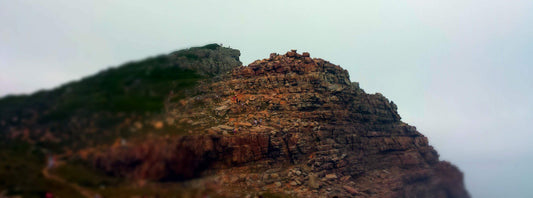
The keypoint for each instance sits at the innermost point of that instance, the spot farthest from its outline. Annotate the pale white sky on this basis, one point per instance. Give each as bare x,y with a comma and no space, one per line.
459,70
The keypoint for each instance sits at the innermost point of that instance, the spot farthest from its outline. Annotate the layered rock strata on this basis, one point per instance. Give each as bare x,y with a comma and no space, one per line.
289,124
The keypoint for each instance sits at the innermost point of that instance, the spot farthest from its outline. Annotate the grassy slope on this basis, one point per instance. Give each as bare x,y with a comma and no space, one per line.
136,88
133,87
20,172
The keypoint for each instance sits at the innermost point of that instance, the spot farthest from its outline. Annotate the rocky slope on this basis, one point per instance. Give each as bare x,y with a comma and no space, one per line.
291,125
195,122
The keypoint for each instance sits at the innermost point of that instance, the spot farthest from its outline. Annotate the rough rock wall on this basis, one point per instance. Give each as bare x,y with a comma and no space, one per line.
211,59
294,125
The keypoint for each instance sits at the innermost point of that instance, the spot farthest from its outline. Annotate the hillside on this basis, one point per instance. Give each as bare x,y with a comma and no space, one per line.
196,122
95,110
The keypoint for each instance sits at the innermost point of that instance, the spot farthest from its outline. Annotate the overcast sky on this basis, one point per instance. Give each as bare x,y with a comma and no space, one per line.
459,70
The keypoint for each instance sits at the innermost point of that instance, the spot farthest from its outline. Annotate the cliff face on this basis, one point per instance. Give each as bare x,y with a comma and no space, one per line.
289,124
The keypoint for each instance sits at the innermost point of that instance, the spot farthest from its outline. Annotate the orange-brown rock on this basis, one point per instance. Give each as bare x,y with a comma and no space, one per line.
294,125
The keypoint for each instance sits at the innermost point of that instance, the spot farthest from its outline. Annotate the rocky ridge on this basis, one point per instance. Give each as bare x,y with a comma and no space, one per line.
289,124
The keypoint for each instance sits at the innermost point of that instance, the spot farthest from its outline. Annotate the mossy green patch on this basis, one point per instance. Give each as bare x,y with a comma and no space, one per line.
85,175
93,111
20,172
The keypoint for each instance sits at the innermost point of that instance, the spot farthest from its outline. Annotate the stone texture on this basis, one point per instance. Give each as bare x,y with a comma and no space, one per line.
284,120
208,60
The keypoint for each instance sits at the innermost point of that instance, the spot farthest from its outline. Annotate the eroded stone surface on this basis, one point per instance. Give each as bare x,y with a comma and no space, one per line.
294,125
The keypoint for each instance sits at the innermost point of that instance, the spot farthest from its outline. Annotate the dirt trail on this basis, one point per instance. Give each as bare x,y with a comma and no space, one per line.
83,191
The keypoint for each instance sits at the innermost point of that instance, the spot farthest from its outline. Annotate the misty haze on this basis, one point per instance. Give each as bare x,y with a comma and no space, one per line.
266,99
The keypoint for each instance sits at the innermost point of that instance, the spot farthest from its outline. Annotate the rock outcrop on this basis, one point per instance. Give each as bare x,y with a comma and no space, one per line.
211,59
289,124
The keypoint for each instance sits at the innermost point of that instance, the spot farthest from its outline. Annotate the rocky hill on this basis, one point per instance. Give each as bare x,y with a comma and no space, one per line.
286,126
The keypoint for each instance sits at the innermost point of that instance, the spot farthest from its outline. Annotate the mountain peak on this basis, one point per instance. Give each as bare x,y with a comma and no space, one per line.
212,59
289,124
292,125
295,64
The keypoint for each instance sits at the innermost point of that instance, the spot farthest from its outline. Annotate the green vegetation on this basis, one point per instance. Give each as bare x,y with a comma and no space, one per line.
211,46
20,172
138,87
84,175
135,87
88,112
